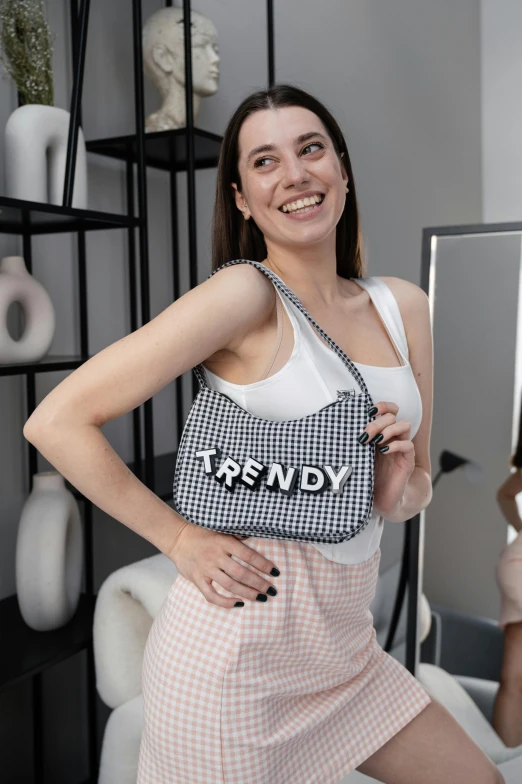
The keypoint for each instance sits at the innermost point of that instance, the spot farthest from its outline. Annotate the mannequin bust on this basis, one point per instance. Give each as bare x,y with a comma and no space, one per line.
164,64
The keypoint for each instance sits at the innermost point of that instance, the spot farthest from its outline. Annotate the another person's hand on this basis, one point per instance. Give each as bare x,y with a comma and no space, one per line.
203,556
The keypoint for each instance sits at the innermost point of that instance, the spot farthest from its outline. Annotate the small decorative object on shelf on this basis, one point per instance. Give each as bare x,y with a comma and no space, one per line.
36,133
49,554
164,64
18,285
35,156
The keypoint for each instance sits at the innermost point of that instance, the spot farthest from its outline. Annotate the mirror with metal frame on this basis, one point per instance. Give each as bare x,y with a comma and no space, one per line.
473,278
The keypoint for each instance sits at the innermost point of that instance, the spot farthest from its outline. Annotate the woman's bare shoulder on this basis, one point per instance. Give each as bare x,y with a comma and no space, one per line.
212,316
405,290
512,486
246,293
413,302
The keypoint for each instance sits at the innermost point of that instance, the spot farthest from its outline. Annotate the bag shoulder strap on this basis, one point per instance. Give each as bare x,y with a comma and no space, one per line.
199,370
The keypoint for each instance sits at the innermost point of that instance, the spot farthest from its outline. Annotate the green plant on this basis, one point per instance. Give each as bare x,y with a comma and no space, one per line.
26,49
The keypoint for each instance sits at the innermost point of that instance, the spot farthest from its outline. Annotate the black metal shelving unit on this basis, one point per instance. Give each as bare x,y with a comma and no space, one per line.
29,653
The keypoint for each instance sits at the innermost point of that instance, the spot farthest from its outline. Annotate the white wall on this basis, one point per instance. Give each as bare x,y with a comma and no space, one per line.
501,23
403,80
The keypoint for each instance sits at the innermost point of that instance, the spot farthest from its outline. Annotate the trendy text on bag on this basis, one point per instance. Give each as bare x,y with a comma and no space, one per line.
282,479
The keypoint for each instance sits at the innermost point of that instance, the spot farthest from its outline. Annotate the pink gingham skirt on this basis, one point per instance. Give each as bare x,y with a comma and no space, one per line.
295,689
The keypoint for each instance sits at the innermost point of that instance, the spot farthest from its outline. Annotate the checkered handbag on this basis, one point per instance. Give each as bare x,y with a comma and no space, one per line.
307,479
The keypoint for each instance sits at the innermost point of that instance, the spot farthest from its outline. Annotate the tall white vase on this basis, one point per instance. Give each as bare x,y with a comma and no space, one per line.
18,285
35,156
49,554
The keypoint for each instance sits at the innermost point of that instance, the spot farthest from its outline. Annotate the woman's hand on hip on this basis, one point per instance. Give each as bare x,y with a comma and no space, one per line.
203,556
394,465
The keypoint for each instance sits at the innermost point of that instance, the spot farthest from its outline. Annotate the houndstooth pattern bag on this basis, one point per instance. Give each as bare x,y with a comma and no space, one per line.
307,479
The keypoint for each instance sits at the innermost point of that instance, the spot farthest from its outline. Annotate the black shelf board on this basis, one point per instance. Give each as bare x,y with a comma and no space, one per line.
18,216
163,476
47,364
165,150
27,652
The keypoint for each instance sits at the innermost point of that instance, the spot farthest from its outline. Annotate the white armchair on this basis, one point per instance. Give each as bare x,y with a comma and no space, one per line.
127,603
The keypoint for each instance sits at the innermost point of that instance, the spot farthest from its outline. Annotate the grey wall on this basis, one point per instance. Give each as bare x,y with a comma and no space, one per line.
501,109
403,80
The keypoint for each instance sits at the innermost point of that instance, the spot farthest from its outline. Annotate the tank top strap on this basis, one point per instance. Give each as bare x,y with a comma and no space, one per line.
385,302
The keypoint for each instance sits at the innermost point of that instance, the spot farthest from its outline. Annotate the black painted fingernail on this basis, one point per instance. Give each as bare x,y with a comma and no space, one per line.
373,411
383,448
275,572
363,438
239,604
261,597
377,439
271,591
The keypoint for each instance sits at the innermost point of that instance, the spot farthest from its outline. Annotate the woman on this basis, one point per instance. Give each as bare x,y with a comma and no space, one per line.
507,709
292,686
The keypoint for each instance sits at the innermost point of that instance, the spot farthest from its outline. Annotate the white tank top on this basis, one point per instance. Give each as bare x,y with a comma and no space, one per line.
310,379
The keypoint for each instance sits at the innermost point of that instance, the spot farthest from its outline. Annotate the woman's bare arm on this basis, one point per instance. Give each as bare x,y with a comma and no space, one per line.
506,498
66,426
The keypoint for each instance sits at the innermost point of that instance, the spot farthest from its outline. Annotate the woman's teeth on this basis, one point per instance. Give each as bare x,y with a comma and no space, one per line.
303,205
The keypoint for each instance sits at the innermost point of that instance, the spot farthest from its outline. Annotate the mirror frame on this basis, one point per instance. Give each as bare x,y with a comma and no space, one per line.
413,550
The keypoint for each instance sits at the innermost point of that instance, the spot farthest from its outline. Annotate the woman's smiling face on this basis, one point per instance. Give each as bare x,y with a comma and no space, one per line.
283,154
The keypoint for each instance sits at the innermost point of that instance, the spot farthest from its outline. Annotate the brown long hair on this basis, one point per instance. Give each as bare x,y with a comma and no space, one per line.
516,459
233,237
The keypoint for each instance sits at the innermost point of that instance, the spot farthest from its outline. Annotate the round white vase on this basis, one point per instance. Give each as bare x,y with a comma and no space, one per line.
36,153
49,554
18,285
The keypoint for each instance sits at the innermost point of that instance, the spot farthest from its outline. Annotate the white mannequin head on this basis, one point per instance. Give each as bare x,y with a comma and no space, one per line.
164,64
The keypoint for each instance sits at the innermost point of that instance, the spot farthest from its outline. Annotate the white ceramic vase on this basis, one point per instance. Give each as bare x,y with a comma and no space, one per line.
49,554
35,156
18,285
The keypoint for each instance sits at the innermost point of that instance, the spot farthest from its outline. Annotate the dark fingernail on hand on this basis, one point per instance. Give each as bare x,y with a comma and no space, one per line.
275,572
272,591
373,411
239,604
261,597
